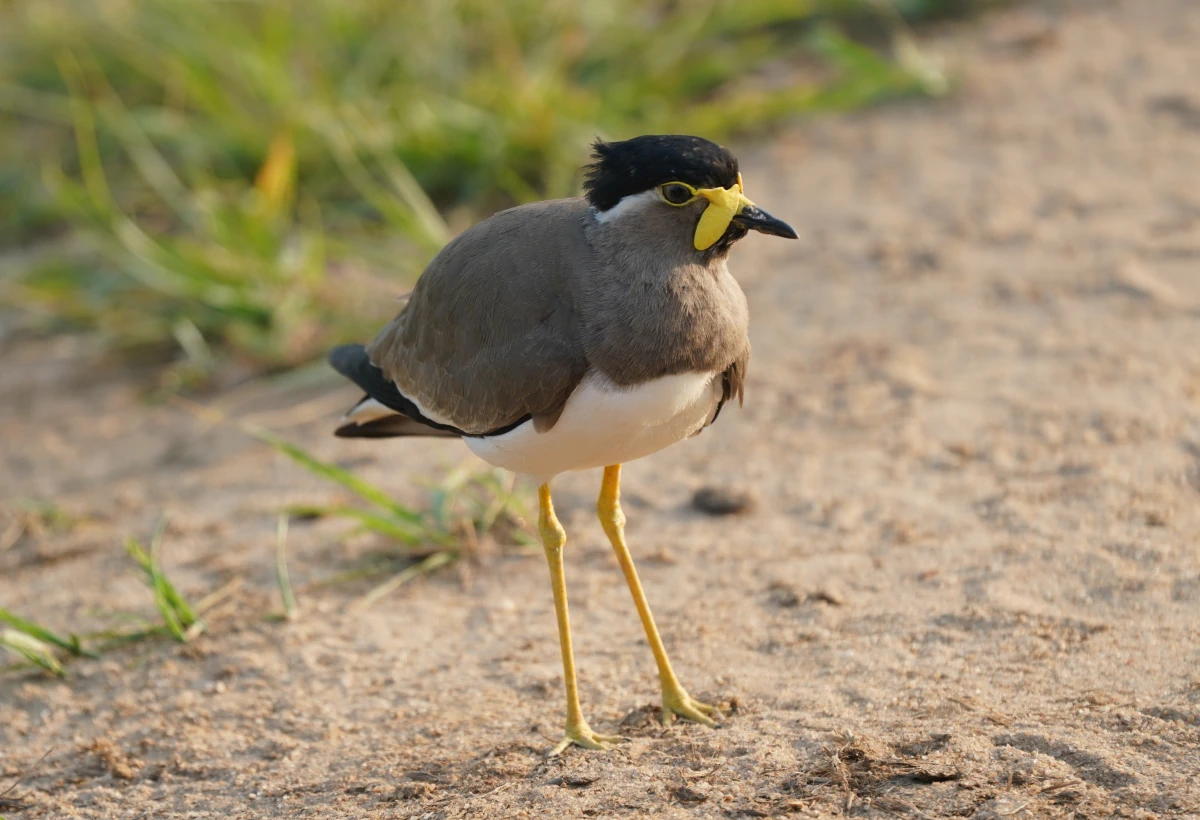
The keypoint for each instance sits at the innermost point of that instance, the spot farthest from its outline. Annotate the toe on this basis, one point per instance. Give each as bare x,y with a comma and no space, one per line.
692,712
585,738
611,739
685,706
596,743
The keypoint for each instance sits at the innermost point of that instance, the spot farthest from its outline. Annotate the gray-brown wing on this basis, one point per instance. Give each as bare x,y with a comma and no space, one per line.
490,333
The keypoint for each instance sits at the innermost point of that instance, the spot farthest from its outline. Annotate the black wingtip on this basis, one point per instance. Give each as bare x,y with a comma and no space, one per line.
397,426
367,430
348,359
353,362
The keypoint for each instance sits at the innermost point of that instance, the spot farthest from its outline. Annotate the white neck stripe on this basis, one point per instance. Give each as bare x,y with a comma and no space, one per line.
632,202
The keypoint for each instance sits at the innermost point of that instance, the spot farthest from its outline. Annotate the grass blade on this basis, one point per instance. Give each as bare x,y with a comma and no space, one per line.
44,635
375,522
179,619
360,487
145,560
281,571
391,518
187,616
32,650
435,561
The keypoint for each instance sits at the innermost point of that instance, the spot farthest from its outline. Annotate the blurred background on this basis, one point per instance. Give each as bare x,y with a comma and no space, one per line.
252,181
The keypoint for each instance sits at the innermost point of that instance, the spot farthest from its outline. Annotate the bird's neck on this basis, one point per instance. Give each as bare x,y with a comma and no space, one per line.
653,310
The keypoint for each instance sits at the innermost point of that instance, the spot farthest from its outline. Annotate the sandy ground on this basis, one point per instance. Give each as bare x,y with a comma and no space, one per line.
971,586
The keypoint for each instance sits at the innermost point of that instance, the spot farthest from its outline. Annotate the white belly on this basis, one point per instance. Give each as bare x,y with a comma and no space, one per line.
604,424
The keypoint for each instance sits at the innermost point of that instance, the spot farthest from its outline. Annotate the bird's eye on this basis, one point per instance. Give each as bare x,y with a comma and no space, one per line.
677,194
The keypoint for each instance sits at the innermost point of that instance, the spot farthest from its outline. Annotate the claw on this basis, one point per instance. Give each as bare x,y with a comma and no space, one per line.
583,736
678,703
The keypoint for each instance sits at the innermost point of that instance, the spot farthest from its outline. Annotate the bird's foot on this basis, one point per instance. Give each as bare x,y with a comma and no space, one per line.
678,703
581,735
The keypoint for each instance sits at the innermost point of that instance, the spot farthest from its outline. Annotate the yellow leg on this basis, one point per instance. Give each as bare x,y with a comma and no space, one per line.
553,539
675,699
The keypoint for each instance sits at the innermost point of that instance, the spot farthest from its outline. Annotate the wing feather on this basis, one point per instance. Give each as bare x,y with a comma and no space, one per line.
490,334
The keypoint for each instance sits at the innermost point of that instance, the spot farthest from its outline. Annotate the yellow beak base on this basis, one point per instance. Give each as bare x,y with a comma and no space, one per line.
723,205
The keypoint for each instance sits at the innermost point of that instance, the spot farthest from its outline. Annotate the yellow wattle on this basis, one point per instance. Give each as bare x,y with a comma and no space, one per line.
723,205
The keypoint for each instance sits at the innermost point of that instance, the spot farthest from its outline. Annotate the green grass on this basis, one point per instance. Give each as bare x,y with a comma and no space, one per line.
257,179
44,636
465,505
35,652
39,646
282,577
179,617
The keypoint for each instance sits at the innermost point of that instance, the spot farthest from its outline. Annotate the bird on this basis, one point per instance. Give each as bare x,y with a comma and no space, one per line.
575,334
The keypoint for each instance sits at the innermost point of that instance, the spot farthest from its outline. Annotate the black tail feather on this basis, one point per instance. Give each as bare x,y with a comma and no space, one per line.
390,427
353,362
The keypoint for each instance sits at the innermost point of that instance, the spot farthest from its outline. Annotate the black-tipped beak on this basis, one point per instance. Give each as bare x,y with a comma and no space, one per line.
759,220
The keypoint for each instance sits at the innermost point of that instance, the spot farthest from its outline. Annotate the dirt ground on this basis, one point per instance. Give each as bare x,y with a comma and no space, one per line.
970,587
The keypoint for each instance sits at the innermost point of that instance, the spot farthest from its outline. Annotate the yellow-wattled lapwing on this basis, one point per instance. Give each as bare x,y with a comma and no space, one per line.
578,333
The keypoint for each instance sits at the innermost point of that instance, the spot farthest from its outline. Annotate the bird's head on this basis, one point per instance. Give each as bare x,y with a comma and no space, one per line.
677,183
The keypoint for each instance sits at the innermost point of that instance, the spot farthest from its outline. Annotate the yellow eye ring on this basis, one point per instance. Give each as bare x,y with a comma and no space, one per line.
671,191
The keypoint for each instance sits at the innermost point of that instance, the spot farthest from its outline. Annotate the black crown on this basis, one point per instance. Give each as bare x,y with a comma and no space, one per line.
619,169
